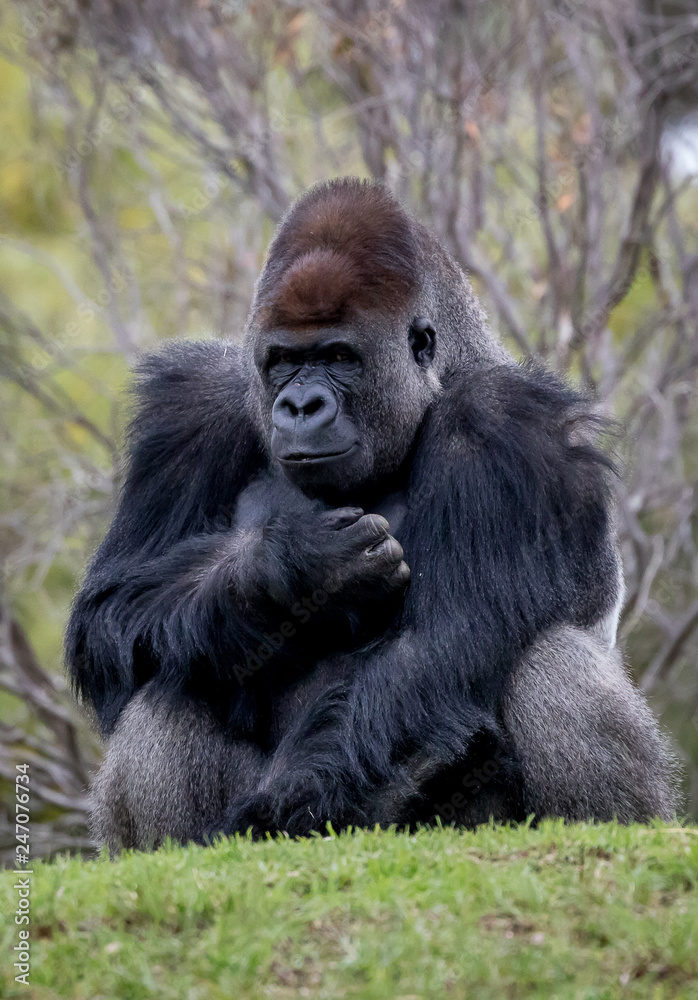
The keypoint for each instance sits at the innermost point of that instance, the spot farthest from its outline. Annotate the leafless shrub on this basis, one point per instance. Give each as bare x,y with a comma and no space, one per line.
533,137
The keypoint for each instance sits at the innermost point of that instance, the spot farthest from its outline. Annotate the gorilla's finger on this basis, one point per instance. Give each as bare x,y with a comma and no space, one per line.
343,517
401,576
370,529
387,552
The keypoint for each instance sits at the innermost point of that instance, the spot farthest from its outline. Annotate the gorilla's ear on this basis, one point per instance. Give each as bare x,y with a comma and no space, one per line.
422,338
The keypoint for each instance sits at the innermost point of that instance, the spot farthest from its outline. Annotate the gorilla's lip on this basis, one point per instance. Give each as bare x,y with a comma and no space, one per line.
310,458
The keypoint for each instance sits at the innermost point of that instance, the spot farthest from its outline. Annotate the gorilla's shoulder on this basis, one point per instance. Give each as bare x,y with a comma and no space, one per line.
192,423
519,417
507,396
189,386
183,367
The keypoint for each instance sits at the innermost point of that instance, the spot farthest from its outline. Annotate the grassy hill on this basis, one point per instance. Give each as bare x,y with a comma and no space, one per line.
559,912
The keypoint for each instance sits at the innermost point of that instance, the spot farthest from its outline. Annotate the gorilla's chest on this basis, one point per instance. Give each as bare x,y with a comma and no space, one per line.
393,508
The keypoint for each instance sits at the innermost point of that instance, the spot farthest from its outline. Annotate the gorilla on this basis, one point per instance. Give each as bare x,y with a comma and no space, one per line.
363,569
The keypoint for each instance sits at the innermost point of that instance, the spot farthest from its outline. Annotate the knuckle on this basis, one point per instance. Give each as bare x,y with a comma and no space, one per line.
396,552
389,550
375,525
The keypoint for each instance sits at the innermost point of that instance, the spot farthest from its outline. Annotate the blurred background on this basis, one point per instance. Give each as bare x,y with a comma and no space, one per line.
149,147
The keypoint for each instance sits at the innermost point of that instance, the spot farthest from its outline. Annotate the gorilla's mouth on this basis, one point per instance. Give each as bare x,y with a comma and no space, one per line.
310,458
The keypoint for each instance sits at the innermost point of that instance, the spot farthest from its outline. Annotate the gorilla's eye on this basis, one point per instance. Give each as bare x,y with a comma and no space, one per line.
341,355
284,359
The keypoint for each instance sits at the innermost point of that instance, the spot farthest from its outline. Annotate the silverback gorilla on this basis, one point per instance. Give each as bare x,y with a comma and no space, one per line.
363,569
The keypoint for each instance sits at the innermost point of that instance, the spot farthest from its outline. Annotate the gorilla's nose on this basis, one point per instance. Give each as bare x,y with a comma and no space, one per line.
305,408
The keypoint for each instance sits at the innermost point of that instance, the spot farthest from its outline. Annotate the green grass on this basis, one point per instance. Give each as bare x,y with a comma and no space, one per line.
558,912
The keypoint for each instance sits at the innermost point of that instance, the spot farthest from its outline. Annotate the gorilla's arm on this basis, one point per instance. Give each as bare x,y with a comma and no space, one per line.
185,617
156,593
199,567
508,534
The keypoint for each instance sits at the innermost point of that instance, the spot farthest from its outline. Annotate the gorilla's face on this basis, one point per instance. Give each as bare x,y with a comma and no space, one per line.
344,407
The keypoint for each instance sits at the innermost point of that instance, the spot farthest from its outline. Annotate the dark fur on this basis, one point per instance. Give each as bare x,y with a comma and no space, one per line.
373,710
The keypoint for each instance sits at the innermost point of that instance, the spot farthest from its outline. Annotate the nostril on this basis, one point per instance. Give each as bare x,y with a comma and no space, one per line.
306,405
313,405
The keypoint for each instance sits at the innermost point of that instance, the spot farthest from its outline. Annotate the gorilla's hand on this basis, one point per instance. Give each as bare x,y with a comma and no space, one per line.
301,547
306,809
359,555
255,813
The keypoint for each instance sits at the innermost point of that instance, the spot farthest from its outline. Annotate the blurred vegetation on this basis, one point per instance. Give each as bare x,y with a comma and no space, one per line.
150,146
